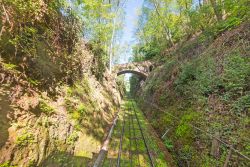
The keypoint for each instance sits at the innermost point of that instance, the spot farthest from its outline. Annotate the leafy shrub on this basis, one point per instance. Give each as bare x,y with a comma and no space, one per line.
25,139
80,88
32,163
79,112
6,164
241,104
163,99
184,130
209,161
188,75
228,24
72,138
197,79
167,119
186,152
9,66
168,143
247,149
237,69
81,109
33,82
45,107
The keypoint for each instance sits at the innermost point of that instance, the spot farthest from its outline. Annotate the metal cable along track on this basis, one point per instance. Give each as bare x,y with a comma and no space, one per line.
121,139
103,152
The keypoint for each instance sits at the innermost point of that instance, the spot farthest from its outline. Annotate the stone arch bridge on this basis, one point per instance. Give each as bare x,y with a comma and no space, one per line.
142,69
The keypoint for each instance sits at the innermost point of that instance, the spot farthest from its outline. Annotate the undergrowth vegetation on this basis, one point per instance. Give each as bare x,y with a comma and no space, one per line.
29,38
7,164
24,139
209,91
44,40
46,108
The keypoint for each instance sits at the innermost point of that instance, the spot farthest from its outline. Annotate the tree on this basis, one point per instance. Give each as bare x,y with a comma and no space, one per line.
164,23
102,25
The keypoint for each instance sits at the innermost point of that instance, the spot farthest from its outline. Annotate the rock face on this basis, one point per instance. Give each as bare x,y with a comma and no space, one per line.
39,130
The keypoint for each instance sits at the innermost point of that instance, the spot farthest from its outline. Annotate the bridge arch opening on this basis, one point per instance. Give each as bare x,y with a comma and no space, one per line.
139,74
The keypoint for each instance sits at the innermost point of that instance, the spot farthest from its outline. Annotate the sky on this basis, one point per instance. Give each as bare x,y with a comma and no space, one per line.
131,17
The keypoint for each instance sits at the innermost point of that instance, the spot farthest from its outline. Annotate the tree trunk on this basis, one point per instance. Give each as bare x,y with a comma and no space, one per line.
217,10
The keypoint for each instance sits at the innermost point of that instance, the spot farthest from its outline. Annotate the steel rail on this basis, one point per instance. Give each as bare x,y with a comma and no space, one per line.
147,138
130,144
136,144
151,140
144,140
121,139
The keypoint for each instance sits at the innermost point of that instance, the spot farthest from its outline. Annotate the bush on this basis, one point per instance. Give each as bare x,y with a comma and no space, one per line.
79,112
184,130
168,143
46,108
25,139
237,69
241,104
72,138
186,152
6,164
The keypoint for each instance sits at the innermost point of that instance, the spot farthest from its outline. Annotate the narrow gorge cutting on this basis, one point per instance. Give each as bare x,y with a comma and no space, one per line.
118,83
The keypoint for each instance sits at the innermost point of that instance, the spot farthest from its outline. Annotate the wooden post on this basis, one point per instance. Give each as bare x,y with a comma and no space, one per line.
215,150
228,157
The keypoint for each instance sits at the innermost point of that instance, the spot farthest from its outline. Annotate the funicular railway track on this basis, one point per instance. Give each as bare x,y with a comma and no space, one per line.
143,138
132,143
